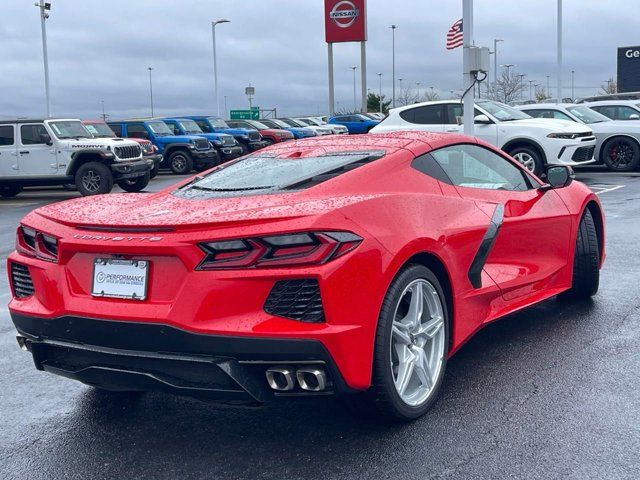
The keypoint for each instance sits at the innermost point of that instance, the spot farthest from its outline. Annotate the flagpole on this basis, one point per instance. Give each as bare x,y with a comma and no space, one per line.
467,79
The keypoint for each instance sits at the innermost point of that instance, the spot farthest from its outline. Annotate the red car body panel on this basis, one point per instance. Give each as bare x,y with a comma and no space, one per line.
276,135
399,212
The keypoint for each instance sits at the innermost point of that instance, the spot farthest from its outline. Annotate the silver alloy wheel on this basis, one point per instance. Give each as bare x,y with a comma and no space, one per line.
179,162
527,160
91,181
417,342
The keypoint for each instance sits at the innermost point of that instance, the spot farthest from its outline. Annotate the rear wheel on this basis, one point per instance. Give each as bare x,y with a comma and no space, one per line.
530,158
94,178
9,191
621,154
411,348
586,261
245,149
180,162
134,184
268,142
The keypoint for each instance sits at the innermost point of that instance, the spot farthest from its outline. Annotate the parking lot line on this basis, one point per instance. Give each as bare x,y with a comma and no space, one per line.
610,189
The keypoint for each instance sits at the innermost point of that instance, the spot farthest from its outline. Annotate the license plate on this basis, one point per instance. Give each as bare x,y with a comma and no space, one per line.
120,278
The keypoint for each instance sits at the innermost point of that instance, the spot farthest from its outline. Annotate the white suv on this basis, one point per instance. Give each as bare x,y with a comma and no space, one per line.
61,152
533,142
617,109
314,122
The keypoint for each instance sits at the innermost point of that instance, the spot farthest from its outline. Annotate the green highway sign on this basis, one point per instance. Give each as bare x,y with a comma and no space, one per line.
253,114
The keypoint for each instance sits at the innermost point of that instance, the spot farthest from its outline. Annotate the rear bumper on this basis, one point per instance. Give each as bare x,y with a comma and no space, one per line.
120,355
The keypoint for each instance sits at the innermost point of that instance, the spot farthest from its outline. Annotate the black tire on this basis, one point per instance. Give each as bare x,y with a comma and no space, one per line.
154,171
245,149
621,154
94,178
382,399
268,142
135,184
180,162
10,191
586,261
536,163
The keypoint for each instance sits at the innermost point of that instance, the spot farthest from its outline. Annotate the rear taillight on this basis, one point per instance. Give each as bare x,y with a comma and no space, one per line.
296,249
36,244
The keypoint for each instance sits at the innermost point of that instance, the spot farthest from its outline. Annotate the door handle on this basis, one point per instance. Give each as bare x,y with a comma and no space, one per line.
24,152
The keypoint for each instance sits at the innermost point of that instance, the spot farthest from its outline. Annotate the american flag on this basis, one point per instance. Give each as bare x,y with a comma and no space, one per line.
454,35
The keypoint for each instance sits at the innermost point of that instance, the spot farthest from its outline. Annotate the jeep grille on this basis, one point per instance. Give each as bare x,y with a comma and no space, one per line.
132,151
202,144
254,136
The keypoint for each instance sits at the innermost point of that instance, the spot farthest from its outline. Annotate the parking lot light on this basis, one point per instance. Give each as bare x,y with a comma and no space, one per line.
380,92
215,62
355,102
393,64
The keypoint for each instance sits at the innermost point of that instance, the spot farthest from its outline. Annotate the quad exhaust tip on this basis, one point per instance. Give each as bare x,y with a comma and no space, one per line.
22,342
283,379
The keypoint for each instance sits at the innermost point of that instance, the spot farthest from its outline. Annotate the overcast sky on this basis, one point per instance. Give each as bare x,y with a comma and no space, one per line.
100,50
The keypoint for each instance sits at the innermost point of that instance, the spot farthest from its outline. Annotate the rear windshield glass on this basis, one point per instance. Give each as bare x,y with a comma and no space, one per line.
267,173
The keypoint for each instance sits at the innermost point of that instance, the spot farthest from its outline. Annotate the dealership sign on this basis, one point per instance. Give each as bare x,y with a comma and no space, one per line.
345,21
629,69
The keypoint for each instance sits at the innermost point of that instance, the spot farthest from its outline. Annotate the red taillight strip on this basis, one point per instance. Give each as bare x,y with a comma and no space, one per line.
40,248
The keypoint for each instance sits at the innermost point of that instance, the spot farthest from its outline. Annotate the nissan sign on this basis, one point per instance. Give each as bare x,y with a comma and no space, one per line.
629,69
345,21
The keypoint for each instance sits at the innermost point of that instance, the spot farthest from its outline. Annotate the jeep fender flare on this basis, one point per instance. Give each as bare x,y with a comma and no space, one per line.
169,148
81,156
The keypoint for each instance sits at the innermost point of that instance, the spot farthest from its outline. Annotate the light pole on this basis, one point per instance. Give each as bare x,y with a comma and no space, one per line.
495,58
380,92
104,116
508,67
530,85
215,61
400,86
521,76
559,67
418,87
355,102
225,107
151,89
548,89
44,9
393,64
573,74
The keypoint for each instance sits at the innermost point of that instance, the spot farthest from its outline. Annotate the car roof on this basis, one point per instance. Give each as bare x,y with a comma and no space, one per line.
39,120
631,103
540,106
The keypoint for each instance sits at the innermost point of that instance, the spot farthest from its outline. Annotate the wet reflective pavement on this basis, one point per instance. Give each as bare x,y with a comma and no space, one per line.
549,392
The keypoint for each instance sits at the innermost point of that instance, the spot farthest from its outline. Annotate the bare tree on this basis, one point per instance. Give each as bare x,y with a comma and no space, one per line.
541,95
407,96
508,87
610,87
431,96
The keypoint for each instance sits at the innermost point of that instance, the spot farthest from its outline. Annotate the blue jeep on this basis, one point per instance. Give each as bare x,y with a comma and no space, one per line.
226,146
180,153
355,122
248,139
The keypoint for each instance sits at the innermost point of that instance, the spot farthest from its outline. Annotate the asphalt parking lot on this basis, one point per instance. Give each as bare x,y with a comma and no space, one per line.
551,392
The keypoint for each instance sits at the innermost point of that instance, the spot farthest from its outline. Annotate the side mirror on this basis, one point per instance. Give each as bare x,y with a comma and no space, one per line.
46,138
482,119
558,176
634,116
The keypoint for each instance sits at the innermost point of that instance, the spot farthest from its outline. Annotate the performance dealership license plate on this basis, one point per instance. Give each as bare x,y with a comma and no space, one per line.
120,278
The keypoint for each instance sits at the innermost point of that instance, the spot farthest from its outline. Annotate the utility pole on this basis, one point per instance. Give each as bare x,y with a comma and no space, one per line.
573,95
393,64
104,116
215,61
559,72
45,8
151,89
380,92
548,89
355,102
418,87
495,58
530,85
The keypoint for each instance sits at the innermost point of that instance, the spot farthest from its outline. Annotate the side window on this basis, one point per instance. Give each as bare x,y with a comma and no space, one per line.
6,135
624,113
606,111
117,129
427,115
137,130
549,113
427,164
455,110
472,166
174,128
204,126
32,134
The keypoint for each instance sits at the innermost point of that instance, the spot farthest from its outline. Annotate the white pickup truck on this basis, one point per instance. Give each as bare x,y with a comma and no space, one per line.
61,152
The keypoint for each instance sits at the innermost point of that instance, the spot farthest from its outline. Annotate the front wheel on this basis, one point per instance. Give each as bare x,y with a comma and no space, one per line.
180,162
10,191
94,178
410,353
621,155
154,170
135,184
529,158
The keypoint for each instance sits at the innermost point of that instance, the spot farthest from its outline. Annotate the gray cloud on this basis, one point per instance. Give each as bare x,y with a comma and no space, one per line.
100,51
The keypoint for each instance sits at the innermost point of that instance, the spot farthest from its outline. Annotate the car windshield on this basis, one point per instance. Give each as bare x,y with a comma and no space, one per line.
100,130
160,128
304,120
189,126
70,129
277,123
260,172
257,125
292,123
218,123
501,112
588,116
313,121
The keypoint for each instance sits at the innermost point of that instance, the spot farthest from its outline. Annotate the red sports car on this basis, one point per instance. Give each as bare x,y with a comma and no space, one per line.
346,265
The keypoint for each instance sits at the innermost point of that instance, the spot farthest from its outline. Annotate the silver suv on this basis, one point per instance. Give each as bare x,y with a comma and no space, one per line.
63,151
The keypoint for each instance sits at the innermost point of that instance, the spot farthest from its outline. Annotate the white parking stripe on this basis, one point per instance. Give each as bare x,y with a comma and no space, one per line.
610,189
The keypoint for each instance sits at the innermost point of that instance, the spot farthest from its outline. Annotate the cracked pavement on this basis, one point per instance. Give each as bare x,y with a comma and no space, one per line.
550,392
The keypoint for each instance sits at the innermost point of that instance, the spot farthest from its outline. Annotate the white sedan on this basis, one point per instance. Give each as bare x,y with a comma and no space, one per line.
618,141
531,141
313,122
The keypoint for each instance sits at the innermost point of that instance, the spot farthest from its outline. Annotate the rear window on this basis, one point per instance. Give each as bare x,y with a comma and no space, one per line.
263,174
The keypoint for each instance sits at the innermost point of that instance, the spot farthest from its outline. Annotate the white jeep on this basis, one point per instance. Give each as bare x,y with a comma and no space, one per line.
63,152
